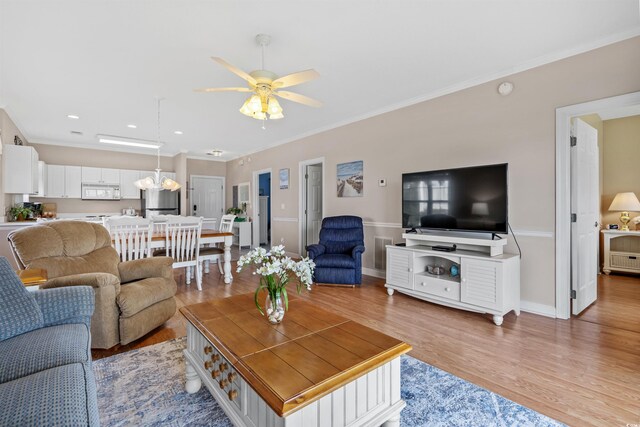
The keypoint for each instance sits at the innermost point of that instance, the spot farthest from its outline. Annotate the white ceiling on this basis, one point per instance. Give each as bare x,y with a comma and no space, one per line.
107,60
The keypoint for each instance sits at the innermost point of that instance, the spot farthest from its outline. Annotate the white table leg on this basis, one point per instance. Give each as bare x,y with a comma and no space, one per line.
227,259
193,381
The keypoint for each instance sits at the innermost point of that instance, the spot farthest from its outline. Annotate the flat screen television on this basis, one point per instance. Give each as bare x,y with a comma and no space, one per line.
464,199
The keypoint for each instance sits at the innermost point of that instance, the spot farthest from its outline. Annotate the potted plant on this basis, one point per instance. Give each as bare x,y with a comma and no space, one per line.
275,270
19,213
238,212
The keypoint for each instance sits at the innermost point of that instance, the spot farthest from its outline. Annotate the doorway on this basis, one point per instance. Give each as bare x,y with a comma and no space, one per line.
262,201
312,202
207,196
578,196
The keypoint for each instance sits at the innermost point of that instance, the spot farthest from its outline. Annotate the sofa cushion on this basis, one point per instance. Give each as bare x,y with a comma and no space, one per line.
42,349
136,296
19,311
335,261
62,396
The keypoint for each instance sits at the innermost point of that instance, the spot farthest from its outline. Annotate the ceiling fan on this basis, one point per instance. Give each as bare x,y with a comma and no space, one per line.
265,86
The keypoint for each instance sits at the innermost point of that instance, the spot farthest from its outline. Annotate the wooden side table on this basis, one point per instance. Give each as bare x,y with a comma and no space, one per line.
33,276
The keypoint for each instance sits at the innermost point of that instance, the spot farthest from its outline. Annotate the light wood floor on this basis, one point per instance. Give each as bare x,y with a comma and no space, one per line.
584,371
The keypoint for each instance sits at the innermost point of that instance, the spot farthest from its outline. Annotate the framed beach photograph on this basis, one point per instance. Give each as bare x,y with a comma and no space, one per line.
349,176
284,179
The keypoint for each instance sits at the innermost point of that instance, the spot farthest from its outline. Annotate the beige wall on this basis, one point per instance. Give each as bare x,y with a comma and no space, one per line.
471,127
206,167
621,159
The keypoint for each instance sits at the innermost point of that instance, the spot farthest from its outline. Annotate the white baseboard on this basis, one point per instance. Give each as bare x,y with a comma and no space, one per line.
373,272
540,309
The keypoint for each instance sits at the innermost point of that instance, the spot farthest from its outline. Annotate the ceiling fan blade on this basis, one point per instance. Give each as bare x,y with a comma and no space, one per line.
235,70
295,79
224,89
300,99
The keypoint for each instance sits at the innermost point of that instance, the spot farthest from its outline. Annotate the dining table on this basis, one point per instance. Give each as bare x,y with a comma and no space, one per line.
207,236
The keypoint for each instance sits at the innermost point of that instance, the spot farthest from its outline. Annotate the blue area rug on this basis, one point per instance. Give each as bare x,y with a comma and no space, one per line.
145,387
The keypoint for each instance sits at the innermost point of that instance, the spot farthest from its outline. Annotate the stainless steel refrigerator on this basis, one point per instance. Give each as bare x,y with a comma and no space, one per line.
160,202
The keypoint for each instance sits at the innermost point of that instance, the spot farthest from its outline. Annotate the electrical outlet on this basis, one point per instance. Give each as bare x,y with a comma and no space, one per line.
382,182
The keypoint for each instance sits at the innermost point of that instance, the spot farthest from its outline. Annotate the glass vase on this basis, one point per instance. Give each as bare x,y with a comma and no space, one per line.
274,308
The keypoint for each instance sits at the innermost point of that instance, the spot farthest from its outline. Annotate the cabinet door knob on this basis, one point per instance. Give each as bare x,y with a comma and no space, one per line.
448,289
423,284
409,270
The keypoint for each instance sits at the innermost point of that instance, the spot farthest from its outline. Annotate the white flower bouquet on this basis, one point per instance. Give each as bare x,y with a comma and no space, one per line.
275,270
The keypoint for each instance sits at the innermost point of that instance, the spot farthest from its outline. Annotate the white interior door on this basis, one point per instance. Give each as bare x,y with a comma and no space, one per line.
314,203
585,204
207,197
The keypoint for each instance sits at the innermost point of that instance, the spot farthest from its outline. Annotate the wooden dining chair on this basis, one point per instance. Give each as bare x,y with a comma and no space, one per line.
216,253
182,243
130,236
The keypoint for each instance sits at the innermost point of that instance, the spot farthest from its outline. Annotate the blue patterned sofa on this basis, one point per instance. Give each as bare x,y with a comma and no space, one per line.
46,377
338,256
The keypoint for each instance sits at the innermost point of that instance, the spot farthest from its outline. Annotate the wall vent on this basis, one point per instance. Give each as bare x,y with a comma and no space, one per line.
380,252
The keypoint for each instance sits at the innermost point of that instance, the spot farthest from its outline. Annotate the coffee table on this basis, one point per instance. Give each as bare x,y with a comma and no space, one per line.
314,368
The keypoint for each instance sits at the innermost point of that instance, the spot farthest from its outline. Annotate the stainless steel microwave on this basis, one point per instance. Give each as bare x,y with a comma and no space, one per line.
100,192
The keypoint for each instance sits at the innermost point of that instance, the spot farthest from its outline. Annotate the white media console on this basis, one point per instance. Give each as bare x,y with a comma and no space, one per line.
488,280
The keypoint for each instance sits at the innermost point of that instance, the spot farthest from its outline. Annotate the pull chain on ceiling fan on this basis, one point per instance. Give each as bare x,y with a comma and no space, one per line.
266,86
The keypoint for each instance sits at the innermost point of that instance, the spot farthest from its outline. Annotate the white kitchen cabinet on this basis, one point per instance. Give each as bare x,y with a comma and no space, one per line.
20,169
73,182
42,179
127,189
64,182
55,181
100,175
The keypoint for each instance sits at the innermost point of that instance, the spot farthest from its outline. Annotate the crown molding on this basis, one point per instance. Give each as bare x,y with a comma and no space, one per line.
205,157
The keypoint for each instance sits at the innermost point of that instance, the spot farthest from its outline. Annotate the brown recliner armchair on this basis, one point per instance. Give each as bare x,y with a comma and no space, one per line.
132,298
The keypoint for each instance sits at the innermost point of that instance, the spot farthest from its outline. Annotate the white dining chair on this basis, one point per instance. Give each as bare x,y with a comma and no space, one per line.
160,222
216,253
182,243
130,236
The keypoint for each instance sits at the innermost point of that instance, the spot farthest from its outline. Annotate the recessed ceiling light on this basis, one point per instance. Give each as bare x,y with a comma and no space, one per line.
178,132
132,126
215,153
73,116
116,140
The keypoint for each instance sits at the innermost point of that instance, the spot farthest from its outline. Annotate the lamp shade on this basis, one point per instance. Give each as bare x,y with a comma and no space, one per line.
625,202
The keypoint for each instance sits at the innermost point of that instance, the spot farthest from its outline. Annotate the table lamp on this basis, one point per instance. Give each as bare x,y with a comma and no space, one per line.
625,202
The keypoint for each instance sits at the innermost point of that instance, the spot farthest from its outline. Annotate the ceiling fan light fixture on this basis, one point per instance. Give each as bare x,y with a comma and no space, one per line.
276,116
260,116
274,106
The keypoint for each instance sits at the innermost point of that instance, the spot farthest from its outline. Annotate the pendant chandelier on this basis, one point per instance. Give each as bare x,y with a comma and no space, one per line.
157,181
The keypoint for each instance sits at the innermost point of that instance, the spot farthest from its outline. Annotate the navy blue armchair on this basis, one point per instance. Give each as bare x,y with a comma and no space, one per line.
338,256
